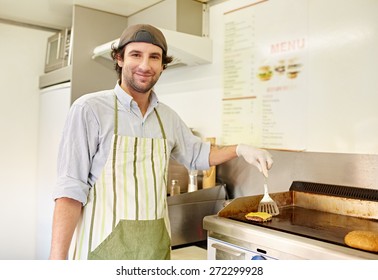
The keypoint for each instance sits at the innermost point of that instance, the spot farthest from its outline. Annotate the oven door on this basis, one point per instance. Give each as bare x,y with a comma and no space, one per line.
221,250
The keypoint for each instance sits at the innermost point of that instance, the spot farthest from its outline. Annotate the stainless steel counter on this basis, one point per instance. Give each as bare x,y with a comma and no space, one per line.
187,211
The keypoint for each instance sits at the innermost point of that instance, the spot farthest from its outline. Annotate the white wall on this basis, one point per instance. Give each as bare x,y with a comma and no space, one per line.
22,53
195,96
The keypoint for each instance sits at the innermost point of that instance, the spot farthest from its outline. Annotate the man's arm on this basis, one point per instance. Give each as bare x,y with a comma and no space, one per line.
66,216
260,158
221,154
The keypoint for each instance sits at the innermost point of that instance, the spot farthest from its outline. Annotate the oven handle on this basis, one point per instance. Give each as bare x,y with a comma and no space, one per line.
227,250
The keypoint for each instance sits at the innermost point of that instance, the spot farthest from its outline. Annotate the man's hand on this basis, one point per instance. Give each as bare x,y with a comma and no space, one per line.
260,158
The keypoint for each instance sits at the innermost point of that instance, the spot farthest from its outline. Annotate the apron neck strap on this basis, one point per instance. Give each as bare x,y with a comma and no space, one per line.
116,118
115,115
161,124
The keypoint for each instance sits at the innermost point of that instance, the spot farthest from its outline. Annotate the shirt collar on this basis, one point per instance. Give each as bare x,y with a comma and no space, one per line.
127,101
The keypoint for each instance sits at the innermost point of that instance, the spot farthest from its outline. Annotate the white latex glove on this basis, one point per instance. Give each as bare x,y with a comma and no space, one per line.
260,158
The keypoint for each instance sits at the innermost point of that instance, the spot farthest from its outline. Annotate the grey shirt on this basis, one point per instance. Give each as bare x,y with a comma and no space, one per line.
88,132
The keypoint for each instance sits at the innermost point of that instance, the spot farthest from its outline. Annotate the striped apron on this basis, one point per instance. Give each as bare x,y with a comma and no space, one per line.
126,216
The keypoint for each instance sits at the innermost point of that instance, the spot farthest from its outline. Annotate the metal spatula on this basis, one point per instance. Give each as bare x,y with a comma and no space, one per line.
267,204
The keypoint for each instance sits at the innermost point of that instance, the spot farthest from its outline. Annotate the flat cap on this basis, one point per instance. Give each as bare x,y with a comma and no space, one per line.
143,33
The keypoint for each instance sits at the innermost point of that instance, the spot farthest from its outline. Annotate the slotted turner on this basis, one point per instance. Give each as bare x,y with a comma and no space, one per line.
267,204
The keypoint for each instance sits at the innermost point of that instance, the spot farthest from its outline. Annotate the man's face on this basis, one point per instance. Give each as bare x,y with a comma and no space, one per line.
141,67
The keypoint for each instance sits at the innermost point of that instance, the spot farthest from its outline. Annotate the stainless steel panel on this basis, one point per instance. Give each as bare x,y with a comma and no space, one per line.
226,253
186,213
340,169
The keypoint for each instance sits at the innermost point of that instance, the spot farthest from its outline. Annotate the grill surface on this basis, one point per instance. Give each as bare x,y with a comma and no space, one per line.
314,224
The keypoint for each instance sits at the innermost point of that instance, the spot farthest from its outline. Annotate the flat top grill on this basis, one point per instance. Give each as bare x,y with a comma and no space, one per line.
318,211
314,224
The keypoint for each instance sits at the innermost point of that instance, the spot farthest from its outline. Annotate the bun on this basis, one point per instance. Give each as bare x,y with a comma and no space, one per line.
365,240
265,73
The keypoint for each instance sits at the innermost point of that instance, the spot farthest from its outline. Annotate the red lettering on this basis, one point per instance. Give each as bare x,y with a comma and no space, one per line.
287,46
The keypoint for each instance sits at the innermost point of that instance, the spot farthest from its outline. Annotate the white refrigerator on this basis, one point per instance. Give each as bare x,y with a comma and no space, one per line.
54,103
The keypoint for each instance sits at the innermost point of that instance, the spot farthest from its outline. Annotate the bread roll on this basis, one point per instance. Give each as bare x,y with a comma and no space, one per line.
360,239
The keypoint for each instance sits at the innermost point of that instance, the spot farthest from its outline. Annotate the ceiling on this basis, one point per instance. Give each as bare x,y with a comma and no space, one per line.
57,14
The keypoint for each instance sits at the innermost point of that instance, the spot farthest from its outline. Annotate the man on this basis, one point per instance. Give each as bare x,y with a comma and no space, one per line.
113,160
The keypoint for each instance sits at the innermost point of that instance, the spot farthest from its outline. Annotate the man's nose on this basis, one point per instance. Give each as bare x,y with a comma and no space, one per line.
145,63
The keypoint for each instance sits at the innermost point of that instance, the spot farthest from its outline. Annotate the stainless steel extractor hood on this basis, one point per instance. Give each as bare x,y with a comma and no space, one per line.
187,49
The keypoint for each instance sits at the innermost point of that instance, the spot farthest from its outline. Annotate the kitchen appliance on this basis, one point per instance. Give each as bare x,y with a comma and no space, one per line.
58,52
54,104
313,220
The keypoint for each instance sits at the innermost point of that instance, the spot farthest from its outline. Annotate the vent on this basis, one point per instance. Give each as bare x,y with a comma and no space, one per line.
335,190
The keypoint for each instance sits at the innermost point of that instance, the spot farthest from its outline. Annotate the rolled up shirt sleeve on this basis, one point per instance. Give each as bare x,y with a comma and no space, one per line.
77,148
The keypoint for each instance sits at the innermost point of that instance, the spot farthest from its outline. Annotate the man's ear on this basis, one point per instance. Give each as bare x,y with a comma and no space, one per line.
119,60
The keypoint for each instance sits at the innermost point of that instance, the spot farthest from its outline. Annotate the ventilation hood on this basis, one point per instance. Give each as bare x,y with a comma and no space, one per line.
187,49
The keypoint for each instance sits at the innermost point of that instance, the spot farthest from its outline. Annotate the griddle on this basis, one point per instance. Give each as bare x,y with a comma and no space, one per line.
314,224
295,218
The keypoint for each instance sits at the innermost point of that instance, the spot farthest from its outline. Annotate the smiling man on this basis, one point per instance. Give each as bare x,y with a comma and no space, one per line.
110,199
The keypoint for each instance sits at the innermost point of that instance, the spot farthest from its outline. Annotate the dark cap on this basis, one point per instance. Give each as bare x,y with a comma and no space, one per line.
143,33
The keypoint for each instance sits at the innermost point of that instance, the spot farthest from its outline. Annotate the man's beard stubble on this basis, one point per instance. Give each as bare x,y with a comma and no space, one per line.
138,88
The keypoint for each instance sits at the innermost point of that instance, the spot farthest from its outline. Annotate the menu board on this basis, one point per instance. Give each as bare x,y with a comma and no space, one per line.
264,75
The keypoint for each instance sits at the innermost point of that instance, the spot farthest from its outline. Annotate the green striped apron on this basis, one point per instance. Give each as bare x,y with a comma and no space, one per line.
126,216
